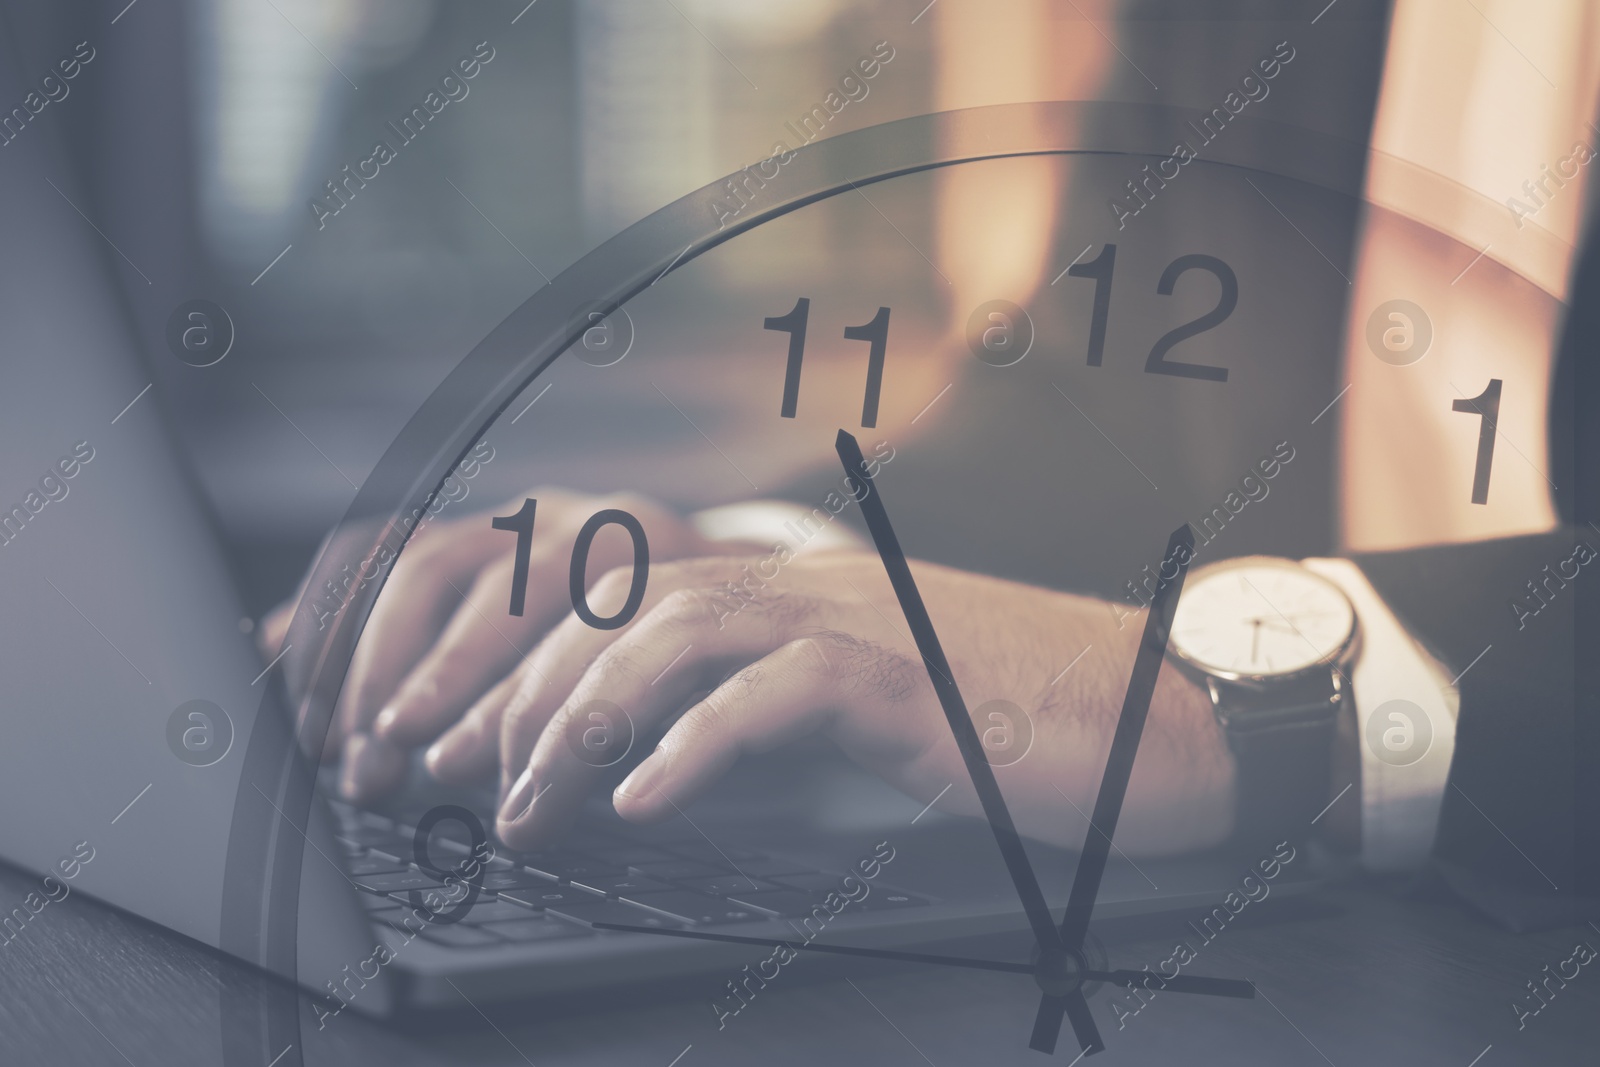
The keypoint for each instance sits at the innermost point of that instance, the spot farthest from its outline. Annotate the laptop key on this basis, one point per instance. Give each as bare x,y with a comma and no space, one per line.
393,852
725,885
569,866
516,878
890,900
450,830
818,883
601,910
373,837
787,903
453,855
374,863
349,815
549,895
625,854
562,865
720,855
623,885
540,929
697,908
672,870
399,880
772,867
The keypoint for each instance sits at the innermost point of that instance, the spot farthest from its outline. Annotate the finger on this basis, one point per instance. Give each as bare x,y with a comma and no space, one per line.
560,660
482,641
416,601
274,628
566,654
372,767
643,677
792,692
271,633
563,658
478,647
469,751
418,598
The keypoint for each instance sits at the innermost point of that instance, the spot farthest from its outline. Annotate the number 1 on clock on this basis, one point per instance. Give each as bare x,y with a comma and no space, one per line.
1487,405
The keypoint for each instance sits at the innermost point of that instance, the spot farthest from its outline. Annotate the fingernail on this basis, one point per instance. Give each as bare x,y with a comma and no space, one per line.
644,780
385,722
520,799
441,751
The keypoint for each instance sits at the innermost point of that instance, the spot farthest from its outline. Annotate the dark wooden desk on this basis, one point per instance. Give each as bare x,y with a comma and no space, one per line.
1358,976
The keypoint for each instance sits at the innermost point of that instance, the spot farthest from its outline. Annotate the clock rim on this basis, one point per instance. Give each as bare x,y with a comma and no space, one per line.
261,882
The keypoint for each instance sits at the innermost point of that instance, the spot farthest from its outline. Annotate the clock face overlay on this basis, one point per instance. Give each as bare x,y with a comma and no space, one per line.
713,533
1261,620
944,434
1049,395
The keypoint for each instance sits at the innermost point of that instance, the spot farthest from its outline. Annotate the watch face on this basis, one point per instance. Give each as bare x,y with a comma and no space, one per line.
1261,619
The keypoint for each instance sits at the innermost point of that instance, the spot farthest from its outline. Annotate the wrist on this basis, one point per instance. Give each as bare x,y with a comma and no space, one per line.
1199,796
1181,795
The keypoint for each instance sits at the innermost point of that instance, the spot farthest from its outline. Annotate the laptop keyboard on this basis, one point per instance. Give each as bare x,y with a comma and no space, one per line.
608,878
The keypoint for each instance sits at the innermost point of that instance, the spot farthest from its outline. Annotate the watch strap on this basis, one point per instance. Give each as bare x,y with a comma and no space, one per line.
1282,739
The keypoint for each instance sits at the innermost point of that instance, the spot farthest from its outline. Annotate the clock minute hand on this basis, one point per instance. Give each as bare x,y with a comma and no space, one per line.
1114,782
1125,745
955,708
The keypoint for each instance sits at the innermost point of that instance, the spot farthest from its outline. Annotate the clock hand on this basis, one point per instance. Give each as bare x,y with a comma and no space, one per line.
1125,745
955,708
1113,789
839,950
1183,983
1076,1009
1255,639
1281,621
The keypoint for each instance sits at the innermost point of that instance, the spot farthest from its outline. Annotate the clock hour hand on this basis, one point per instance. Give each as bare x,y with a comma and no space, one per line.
1183,983
1047,1023
1114,786
1001,966
955,708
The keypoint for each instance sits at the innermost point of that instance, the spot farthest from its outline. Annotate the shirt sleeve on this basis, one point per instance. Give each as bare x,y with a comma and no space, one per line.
1405,728
773,522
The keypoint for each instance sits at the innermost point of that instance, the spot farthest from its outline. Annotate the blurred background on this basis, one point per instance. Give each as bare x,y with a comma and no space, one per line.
203,130
200,167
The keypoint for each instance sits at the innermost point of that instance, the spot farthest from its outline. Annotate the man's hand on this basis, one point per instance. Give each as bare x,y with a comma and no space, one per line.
440,635
824,648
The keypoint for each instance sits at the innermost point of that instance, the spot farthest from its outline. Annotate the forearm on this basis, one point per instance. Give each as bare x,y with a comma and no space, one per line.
1181,794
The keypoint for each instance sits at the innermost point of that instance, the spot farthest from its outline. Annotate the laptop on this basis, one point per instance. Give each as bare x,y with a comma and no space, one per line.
133,693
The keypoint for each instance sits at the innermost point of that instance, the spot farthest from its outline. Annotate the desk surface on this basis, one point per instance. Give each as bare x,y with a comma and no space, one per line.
1359,975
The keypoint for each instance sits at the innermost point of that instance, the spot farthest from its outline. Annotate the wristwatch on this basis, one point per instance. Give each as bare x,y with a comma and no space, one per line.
1272,640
